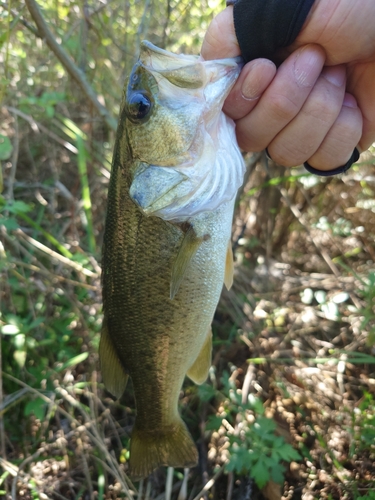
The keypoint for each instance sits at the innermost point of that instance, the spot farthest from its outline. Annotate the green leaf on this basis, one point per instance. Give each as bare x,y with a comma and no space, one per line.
9,223
214,423
206,392
36,406
17,207
36,322
277,473
263,426
260,473
240,459
288,453
6,147
74,361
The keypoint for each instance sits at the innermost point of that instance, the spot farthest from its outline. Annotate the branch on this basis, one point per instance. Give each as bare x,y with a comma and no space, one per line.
17,17
77,75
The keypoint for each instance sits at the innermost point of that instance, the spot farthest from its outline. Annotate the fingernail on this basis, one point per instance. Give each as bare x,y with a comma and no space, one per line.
257,78
349,101
335,75
307,66
251,88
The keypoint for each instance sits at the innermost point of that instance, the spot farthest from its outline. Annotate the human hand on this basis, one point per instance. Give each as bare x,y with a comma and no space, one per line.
346,31
301,112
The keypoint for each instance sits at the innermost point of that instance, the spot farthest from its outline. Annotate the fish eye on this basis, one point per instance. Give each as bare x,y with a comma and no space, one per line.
138,107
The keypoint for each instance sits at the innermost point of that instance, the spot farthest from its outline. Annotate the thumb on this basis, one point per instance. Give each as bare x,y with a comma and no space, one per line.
220,40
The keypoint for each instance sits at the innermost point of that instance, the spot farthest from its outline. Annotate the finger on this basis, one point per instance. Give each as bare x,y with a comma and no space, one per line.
341,139
361,78
282,100
299,140
252,82
220,40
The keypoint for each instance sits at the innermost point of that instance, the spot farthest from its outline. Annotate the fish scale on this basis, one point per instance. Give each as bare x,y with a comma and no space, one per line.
162,278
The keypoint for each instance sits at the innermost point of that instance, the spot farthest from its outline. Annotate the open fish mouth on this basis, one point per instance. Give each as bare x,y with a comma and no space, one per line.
211,169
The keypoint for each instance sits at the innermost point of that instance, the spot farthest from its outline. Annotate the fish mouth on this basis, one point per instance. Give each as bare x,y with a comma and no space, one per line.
148,48
188,71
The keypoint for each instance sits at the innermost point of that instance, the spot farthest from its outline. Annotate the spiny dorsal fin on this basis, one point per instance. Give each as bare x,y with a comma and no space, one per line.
198,372
114,376
188,249
229,268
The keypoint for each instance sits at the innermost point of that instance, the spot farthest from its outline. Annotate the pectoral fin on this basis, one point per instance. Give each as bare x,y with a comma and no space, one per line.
114,376
229,268
188,249
198,372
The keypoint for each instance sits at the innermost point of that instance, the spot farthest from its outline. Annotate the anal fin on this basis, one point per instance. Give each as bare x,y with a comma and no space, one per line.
229,268
188,249
114,376
198,372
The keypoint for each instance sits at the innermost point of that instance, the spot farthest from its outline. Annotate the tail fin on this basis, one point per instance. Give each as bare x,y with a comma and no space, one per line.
149,450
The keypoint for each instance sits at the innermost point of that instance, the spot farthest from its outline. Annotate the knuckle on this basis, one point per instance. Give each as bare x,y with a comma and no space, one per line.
350,133
285,155
282,107
323,108
337,147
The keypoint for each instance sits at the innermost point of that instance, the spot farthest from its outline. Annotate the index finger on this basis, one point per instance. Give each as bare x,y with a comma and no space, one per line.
282,100
220,40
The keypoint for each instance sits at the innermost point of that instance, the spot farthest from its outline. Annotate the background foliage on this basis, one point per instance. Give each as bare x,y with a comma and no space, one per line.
288,410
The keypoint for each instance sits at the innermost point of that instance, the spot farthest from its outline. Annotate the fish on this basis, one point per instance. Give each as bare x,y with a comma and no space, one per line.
166,253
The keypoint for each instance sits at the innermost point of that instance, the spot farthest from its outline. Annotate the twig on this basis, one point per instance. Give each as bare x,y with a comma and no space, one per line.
302,220
148,490
56,255
35,126
76,74
183,491
20,19
87,474
97,440
210,483
2,432
12,175
230,485
249,378
88,427
169,482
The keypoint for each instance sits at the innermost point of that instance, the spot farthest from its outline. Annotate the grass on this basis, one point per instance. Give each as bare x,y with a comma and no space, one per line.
288,409
289,399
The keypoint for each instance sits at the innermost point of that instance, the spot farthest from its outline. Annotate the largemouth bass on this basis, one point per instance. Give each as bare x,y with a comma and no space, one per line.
175,174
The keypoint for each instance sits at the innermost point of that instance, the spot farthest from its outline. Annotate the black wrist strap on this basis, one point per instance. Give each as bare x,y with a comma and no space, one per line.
335,171
263,26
